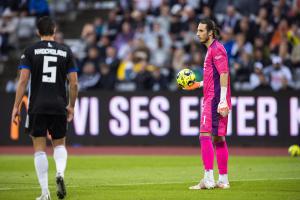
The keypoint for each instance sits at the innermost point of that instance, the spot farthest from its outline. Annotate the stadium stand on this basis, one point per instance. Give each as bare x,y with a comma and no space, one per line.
131,45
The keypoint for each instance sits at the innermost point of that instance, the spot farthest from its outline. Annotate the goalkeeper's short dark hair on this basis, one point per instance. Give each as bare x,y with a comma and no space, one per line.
45,26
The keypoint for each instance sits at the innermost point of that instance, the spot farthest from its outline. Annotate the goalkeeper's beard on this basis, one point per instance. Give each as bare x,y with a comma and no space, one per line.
205,40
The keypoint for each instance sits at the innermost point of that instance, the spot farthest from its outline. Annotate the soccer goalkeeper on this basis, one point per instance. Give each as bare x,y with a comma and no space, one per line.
216,106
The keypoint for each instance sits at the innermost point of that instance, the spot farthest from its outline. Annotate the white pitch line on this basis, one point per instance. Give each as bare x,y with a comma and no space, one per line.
149,183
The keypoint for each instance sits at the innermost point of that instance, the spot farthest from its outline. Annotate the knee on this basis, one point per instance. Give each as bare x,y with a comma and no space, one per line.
217,139
39,144
59,142
205,134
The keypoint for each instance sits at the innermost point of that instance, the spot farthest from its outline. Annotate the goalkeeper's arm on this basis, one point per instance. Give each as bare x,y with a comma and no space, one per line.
224,84
223,108
196,85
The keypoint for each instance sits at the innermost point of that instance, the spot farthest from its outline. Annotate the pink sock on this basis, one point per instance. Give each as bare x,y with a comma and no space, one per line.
207,151
222,156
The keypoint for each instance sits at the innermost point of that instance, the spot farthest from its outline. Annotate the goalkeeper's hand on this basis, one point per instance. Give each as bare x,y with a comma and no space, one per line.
223,108
196,85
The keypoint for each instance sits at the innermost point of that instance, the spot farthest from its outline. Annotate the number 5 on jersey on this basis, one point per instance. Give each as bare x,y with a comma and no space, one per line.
49,78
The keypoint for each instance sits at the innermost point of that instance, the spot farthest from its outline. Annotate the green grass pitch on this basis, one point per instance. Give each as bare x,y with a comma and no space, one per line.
153,178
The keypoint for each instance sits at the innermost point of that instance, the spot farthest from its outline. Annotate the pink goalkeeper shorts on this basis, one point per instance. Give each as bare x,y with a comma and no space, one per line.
211,121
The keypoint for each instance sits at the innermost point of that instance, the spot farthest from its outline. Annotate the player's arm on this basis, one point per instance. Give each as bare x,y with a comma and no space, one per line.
73,93
223,108
196,85
221,62
21,88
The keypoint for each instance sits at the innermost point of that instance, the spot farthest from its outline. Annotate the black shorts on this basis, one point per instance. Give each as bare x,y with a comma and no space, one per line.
37,125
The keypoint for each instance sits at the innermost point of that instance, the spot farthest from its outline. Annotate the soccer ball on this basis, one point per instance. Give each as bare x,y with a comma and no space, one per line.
294,150
185,77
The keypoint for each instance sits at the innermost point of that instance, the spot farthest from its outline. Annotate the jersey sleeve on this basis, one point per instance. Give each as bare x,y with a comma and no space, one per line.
25,61
220,60
71,66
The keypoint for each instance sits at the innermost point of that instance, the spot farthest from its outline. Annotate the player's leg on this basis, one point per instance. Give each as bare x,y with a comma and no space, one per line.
41,165
207,155
207,150
60,156
222,154
57,129
37,129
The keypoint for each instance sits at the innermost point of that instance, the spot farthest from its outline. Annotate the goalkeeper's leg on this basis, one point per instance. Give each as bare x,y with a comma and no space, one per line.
222,154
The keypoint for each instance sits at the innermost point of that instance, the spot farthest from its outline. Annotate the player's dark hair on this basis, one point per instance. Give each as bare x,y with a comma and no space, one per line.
45,26
211,26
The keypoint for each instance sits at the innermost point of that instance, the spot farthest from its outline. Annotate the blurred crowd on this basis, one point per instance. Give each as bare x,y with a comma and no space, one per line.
142,44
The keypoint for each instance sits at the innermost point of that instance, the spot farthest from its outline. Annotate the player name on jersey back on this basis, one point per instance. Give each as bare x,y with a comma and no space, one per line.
55,52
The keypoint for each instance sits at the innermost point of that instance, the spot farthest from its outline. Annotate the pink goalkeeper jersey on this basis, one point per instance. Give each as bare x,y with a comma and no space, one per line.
215,63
